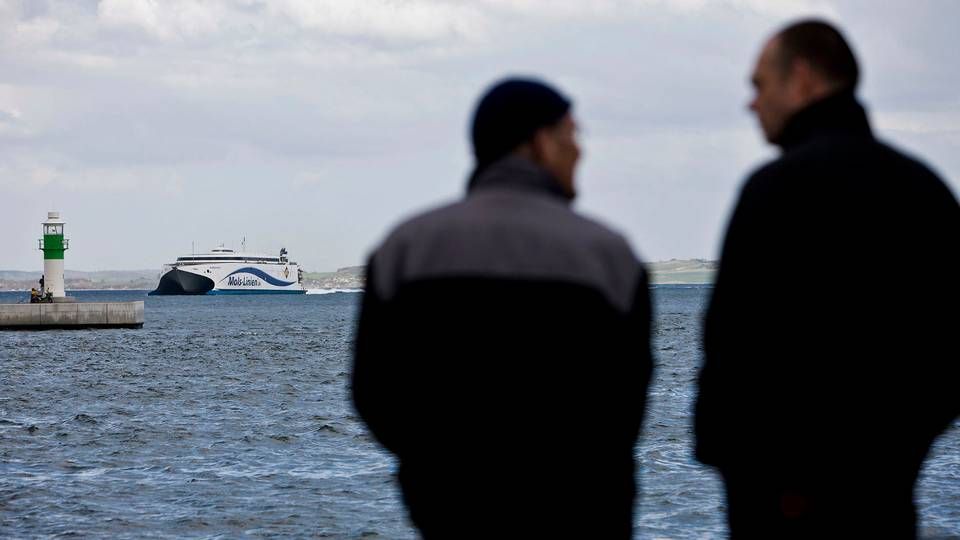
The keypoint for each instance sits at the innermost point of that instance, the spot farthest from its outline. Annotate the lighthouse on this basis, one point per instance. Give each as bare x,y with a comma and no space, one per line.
59,310
53,244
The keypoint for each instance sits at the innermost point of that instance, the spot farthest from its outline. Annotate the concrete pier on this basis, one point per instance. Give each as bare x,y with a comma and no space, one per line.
49,316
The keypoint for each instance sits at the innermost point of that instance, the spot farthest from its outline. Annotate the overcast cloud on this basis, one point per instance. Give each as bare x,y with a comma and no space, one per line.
317,124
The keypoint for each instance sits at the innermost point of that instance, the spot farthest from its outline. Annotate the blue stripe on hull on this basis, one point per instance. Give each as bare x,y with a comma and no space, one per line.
260,274
231,291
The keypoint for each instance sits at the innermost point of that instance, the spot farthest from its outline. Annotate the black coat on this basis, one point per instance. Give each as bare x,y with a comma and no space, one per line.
830,340
503,356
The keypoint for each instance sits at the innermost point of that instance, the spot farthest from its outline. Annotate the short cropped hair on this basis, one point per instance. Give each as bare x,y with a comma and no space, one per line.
823,46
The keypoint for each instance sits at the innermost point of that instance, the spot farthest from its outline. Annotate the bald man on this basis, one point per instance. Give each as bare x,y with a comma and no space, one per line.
831,364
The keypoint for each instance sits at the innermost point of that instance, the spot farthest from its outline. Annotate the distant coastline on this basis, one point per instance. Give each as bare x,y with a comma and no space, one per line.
682,272
672,272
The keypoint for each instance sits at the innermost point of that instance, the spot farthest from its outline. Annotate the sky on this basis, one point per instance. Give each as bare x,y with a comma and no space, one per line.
157,127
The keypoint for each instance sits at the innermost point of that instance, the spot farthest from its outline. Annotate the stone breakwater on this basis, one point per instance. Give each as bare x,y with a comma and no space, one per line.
71,315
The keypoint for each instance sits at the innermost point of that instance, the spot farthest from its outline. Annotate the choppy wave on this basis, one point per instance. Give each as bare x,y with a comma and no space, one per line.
228,416
331,291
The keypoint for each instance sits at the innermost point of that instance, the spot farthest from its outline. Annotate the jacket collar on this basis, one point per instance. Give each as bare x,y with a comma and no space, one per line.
838,114
516,172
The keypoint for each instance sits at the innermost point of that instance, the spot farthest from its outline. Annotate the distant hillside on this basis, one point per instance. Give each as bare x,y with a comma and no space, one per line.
351,277
672,272
690,271
682,272
76,279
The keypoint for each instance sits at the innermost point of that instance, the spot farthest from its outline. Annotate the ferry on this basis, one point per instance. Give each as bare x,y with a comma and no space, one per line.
225,271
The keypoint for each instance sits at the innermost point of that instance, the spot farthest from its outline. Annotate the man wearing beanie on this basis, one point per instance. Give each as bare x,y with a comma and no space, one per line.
503,347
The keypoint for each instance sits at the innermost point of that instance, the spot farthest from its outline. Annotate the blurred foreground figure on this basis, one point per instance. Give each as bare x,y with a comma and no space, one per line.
503,347
831,353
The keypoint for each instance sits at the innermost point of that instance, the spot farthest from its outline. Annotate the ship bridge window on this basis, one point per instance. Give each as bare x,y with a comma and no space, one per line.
230,259
207,259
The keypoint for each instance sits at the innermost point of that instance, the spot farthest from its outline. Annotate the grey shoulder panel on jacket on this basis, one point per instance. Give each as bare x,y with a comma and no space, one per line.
508,234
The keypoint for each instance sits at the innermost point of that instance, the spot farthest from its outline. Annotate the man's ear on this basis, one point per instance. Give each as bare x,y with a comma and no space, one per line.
539,145
526,150
808,83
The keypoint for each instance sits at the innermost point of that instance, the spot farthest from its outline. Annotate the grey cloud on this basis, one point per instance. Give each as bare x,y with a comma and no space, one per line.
191,122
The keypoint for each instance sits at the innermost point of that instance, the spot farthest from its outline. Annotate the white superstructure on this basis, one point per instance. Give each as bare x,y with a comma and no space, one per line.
225,271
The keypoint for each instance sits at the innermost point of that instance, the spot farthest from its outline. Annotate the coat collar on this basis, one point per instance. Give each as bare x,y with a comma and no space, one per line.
838,114
516,172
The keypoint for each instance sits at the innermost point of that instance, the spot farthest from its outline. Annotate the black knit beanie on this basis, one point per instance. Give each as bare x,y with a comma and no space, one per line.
509,114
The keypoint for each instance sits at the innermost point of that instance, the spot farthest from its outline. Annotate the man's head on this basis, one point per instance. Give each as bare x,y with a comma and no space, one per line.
805,62
529,118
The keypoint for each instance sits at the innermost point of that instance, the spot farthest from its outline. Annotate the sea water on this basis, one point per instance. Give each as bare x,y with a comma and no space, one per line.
228,416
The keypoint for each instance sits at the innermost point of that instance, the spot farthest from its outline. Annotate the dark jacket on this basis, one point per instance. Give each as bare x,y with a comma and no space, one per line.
831,357
503,356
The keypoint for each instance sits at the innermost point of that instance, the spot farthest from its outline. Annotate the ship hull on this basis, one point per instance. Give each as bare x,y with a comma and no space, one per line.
230,278
180,282
234,291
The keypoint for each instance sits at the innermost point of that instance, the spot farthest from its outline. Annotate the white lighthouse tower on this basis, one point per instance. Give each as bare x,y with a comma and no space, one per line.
53,244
